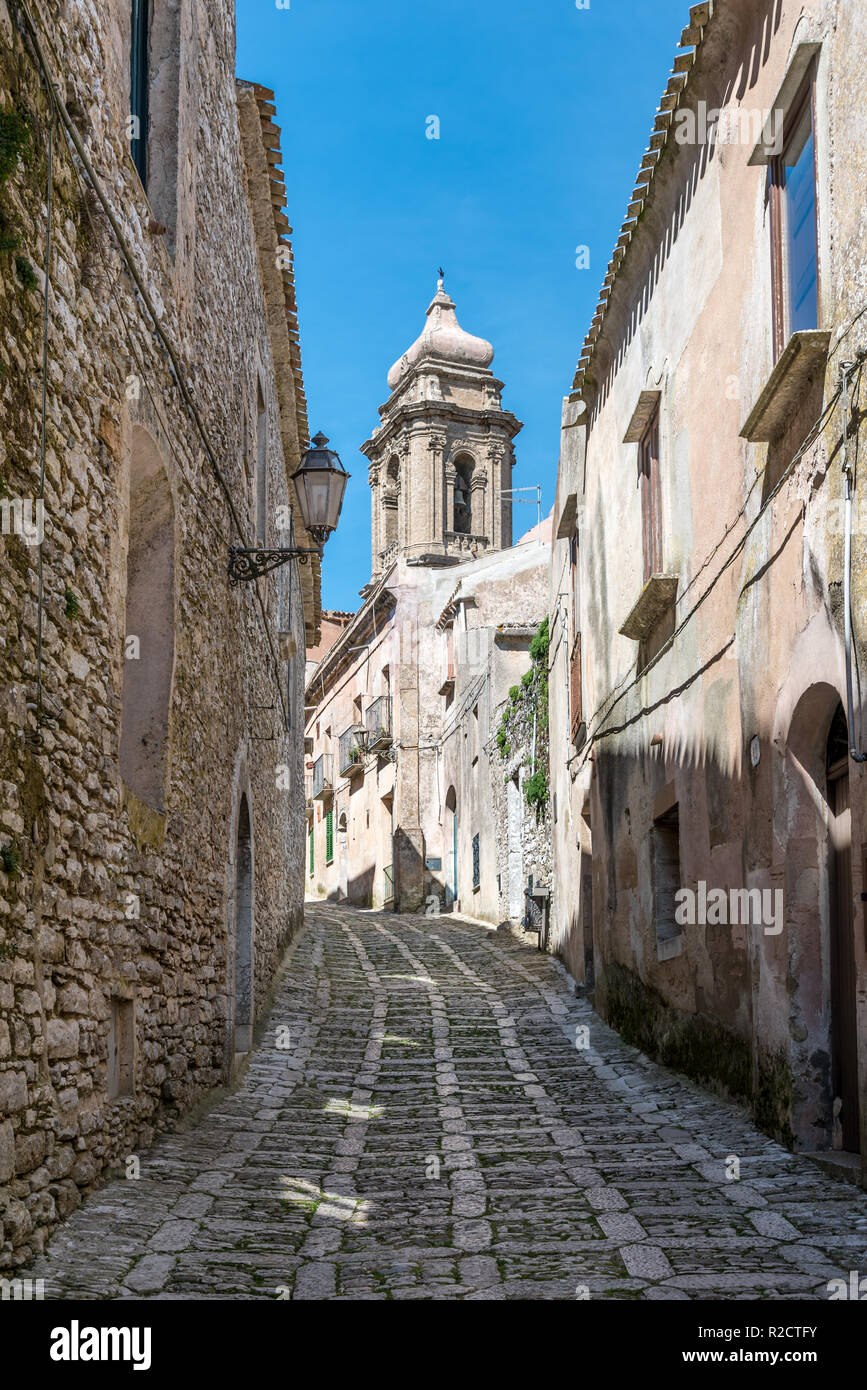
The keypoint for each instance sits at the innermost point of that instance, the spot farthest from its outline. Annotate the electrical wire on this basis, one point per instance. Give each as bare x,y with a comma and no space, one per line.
599,732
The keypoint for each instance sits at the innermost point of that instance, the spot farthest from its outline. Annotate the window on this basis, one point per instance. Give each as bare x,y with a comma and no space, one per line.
651,498
665,869
463,495
139,79
477,878
576,702
329,837
794,243
121,1048
390,495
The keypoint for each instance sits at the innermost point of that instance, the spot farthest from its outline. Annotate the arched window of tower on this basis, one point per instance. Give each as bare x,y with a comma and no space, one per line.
464,467
389,501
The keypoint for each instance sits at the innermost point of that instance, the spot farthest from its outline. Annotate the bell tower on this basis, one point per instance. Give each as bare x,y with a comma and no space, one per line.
442,457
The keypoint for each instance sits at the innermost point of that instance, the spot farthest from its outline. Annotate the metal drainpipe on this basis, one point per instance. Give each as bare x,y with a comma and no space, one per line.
846,369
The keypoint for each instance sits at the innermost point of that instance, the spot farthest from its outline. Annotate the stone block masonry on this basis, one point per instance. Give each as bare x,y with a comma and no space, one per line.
152,814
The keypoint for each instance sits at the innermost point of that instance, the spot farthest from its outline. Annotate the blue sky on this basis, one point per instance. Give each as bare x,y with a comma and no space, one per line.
544,109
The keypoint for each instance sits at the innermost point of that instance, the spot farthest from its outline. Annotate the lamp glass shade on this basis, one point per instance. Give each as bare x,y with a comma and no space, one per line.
320,483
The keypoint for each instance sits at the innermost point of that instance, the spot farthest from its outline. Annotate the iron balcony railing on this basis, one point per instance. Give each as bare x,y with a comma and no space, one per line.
351,751
388,884
379,723
322,785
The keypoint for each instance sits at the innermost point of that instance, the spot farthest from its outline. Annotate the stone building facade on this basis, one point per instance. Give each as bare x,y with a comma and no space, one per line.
707,761
404,777
153,817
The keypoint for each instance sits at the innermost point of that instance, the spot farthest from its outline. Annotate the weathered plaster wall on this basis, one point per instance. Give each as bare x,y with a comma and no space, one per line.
690,316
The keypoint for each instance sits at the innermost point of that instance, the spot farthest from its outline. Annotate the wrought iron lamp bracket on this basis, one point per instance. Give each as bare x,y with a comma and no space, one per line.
247,564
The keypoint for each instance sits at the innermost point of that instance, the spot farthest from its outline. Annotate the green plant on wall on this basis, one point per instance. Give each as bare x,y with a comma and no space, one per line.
10,857
26,274
71,605
14,146
14,140
528,708
536,789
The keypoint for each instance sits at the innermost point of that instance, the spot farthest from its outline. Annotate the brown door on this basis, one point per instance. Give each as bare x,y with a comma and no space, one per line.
844,1034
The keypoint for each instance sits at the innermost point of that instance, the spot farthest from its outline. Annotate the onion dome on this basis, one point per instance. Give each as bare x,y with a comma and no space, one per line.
443,340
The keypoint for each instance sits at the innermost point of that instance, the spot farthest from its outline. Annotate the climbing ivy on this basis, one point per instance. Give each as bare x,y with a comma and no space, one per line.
14,140
526,700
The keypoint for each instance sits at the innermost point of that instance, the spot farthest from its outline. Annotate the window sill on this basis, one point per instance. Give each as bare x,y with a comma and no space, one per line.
771,413
667,950
656,598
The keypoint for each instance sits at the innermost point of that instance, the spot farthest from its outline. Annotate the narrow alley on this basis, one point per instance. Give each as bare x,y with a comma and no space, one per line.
422,1120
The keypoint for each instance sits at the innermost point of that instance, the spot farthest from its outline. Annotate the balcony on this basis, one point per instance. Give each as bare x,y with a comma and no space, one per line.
379,724
351,758
322,786
387,555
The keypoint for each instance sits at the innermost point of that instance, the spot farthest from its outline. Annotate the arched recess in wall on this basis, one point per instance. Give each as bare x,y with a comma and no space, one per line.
820,916
149,625
242,1014
464,468
390,497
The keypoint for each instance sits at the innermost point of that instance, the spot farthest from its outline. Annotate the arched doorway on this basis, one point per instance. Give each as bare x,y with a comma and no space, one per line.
814,825
343,856
243,982
844,1027
451,841
514,827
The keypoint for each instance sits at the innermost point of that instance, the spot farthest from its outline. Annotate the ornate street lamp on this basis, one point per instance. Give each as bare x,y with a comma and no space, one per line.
320,483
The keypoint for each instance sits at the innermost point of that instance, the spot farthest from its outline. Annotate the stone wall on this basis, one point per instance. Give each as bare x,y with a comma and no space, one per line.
108,897
518,753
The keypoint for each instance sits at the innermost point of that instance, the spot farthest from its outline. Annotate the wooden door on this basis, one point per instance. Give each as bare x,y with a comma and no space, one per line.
844,1031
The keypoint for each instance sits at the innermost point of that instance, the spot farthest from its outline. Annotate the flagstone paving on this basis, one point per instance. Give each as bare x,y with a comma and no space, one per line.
431,1126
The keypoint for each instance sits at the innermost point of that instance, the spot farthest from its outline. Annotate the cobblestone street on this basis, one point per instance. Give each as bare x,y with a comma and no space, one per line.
433,1132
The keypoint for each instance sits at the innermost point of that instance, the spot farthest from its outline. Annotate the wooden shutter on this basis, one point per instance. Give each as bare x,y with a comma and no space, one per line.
651,498
329,837
575,698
